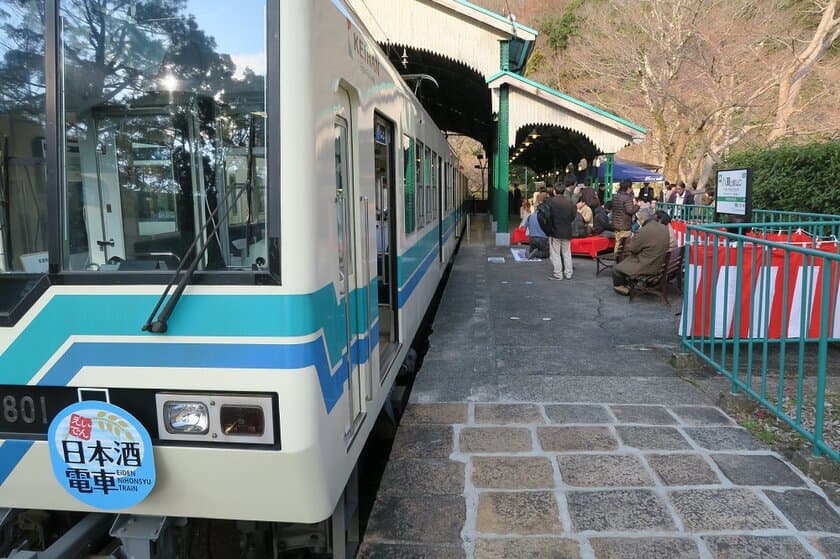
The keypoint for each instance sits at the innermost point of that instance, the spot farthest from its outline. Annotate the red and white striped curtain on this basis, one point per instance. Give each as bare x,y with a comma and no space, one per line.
768,307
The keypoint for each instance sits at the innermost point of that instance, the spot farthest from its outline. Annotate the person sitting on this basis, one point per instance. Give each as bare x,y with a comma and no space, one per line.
665,219
601,223
590,196
586,213
537,239
524,211
645,254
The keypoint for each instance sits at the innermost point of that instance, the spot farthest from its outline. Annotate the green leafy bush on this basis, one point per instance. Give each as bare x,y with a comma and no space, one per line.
803,178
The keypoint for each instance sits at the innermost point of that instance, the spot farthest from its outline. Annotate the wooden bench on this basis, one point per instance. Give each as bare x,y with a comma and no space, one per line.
607,260
672,269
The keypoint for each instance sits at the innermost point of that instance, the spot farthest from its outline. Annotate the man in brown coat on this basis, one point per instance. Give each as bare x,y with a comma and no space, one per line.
623,209
646,251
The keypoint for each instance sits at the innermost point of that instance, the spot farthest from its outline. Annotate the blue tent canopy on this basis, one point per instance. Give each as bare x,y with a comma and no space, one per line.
622,170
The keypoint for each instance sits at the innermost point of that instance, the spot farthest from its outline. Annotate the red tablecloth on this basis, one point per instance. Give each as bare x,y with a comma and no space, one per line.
591,246
583,246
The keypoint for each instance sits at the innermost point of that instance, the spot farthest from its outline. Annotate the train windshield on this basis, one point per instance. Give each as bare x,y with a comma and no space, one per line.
164,133
23,207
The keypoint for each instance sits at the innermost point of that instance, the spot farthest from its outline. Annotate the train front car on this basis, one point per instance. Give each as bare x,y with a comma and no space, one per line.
248,391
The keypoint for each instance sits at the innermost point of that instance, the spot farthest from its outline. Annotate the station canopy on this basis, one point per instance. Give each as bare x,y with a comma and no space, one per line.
457,44
623,170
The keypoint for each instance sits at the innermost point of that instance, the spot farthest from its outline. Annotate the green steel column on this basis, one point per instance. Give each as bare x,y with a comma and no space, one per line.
608,176
494,191
503,165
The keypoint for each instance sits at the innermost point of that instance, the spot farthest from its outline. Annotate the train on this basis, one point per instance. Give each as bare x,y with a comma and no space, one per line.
221,231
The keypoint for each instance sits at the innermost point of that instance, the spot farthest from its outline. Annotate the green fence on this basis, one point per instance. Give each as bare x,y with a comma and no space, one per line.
818,225
688,213
761,306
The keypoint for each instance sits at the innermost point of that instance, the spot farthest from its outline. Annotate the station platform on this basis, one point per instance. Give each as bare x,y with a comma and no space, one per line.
546,422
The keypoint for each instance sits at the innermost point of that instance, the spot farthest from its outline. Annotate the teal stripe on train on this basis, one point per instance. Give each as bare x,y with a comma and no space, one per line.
197,315
412,258
202,315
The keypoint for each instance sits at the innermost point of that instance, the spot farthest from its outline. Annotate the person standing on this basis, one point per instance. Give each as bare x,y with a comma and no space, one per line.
646,195
517,199
681,196
624,208
563,212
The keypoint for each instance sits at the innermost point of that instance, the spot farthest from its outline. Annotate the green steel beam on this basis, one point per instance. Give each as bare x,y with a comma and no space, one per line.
501,161
503,155
609,168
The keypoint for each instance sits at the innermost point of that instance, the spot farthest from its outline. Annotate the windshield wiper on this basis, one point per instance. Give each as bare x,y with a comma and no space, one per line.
159,326
5,210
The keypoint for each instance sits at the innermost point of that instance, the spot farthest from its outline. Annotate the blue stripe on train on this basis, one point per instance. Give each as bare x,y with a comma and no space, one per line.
197,355
312,353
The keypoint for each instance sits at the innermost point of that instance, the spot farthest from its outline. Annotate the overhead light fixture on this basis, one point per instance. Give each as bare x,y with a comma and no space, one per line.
404,58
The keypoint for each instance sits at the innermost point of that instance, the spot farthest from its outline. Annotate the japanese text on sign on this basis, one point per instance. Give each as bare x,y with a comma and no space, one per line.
102,455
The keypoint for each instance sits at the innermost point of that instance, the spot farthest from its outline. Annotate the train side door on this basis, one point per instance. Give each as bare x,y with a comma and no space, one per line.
349,293
386,266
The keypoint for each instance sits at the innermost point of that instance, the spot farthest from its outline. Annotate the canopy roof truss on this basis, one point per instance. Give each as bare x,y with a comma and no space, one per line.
533,104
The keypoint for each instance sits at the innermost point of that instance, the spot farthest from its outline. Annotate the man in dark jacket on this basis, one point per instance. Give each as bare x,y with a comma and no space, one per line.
646,252
560,242
623,210
681,196
646,194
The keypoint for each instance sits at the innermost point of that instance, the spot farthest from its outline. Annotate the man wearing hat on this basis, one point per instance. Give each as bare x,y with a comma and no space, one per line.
646,251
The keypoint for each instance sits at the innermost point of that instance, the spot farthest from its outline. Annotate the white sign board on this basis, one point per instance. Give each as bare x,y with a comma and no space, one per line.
733,192
35,262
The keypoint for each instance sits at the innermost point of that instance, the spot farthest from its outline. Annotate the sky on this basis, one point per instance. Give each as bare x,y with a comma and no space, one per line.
239,32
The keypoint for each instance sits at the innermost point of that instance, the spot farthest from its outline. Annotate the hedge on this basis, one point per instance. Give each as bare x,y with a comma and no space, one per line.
804,178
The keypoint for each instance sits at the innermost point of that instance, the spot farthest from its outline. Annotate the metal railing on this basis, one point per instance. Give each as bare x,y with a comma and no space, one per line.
761,306
816,225
689,213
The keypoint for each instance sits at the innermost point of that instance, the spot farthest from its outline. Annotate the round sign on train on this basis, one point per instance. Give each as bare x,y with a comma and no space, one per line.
102,455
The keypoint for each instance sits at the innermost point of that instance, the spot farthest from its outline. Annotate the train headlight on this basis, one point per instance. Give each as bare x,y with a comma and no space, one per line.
186,417
242,420
217,418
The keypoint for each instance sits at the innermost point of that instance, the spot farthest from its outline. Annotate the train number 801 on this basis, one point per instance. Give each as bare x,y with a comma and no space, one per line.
27,409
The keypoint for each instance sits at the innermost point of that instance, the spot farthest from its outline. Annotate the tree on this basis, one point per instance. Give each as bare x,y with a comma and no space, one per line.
703,76
793,77
22,82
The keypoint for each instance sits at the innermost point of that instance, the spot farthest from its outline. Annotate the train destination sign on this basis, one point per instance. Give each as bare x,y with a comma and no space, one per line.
734,189
102,455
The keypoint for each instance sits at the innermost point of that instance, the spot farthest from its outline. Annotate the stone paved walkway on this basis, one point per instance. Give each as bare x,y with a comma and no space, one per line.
546,423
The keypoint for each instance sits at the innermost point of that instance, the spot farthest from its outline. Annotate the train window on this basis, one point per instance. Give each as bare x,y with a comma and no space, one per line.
440,185
342,175
408,182
164,139
427,180
436,178
433,193
421,187
23,195
447,184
